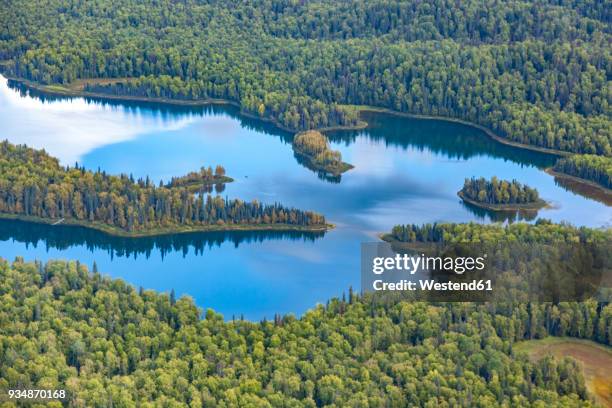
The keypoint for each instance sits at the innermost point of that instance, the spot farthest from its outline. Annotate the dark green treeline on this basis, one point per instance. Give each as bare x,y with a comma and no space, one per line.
533,72
589,167
108,344
33,184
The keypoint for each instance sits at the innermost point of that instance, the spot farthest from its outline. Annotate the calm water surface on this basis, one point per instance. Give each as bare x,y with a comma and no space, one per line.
406,171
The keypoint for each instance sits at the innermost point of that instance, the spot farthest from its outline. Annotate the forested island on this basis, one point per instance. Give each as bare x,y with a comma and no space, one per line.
201,181
104,341
34,187
500,195
536,74
314,150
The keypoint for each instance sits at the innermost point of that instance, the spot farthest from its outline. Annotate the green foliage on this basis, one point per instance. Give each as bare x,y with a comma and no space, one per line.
202,177
109,344
312,150
202,181
316,146
33,184
311,143
590,167
499,191
543,231
541,262
535,73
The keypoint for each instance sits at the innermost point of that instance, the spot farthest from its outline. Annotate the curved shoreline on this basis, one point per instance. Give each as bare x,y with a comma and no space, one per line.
336,172
361,108
309,159
487,131
59,90
63,91
597,190
116,232
538,205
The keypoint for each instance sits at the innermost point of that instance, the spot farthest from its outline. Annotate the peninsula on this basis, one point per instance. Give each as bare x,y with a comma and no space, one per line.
35,187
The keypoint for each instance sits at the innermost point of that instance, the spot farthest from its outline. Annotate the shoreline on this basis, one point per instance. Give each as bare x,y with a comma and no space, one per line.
487,131
538,205
335,172
597,191
198,184
60,90
64,91
116,232
552,172
415,246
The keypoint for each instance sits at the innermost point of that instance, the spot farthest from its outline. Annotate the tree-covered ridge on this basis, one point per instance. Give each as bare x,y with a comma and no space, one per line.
542,232
33,184
468,21
109,344
589,167
497,191
314,147
532,72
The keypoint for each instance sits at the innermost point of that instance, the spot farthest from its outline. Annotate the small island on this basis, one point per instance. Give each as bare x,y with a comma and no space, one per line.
500,195
201,181
313,150
589,168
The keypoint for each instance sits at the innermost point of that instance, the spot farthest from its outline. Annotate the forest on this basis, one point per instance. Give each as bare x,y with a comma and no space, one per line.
34,185
202,181
541,262
543,231
587,166
535,73
109,344
203,177
498,192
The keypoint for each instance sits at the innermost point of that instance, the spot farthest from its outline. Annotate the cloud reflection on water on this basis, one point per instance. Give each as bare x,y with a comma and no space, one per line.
70,128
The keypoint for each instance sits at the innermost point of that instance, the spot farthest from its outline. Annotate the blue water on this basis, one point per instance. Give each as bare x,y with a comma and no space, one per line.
406,171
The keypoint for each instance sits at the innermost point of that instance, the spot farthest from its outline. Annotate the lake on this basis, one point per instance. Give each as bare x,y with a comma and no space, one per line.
406,171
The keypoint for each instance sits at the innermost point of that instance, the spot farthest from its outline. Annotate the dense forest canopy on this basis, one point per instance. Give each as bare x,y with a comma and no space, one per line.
587,166
533,72
203,177
311,143
497,191
543,231
33,184
202,181
108,344
315,146
540,262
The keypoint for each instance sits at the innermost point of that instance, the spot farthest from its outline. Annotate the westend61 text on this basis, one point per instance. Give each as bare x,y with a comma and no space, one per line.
475,285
